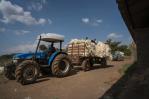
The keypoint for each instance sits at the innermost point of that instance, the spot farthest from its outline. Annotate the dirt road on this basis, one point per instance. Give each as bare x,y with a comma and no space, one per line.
79,85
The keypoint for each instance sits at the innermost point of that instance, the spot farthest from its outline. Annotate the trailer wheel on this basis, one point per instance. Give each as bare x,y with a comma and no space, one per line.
27,72
103,62
91,63
61,66
9,71
86,65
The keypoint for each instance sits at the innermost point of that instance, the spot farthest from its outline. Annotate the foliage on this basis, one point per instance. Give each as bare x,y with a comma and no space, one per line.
124,68
118,46
5,59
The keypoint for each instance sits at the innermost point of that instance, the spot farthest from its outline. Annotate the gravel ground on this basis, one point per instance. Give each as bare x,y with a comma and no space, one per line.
79,85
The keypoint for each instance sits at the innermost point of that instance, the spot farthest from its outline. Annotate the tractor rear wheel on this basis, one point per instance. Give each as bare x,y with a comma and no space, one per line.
61,66
9,71
27,72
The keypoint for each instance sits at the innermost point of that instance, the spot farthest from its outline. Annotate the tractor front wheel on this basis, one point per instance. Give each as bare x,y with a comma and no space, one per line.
27,72
61,65
9,71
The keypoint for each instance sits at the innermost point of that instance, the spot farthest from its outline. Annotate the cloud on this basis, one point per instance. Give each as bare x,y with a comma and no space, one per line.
30,47
21,32
21,49
14,13
114,35
37,5
99,20
49,21
44,1
42,21
2,29
92,22
85,20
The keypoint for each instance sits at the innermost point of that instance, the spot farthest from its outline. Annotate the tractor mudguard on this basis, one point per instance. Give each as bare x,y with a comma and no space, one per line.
52,57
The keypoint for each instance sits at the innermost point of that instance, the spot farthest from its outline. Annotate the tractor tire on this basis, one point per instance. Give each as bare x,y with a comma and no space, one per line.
103,62
9,71
86,65
27,72
61,66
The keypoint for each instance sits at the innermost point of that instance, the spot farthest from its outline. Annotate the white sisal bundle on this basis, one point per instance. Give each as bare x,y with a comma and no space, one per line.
103,50
89,46
100,49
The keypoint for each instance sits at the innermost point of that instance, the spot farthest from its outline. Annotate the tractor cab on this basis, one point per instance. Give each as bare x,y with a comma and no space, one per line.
48,44
45,47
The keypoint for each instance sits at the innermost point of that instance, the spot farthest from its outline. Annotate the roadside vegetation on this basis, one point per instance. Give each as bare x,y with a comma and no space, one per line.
4,59
125,68
118,46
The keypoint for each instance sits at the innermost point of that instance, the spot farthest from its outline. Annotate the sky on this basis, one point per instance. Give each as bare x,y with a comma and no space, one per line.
21,21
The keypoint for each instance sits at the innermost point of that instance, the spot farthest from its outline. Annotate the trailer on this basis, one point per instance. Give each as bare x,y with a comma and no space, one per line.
79,56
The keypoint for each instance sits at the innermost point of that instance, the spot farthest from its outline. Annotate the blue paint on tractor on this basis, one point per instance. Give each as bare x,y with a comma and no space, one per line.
52,57
39,55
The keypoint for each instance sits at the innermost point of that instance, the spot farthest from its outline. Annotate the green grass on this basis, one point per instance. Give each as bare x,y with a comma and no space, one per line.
124,69
4,59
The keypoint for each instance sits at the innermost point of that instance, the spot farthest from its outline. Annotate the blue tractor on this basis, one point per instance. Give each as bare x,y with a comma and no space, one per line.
26,67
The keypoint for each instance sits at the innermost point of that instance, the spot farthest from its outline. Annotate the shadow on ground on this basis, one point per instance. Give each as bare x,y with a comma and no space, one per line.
42,80
79,68
75,70
118,87
134,84
46,74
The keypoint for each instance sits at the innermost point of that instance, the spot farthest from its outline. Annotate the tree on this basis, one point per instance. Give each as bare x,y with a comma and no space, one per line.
117,46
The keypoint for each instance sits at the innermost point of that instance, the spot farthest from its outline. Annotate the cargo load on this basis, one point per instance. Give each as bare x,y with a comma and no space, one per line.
88,48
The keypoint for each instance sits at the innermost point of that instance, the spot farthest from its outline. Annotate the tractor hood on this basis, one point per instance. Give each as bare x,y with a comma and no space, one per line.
39,55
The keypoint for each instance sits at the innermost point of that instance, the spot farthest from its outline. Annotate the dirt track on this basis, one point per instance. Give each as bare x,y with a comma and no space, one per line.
79,85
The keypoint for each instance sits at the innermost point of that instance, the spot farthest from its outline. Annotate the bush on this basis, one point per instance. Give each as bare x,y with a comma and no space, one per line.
117,46
127,68
4,59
